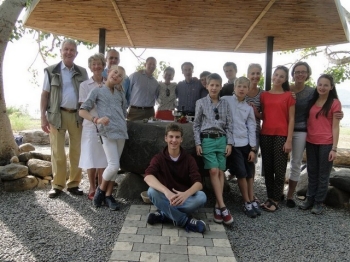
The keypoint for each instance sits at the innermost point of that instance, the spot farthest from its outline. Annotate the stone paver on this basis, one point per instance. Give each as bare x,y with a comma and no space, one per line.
139,241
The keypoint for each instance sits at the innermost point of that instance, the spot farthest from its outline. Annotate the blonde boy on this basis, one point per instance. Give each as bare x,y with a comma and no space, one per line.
212,129
244,147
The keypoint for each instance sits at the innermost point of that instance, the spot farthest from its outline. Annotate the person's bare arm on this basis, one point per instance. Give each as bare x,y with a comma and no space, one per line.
45,126
335,133
287,147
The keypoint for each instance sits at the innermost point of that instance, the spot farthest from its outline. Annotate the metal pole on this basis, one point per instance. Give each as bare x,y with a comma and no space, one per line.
102,40
268,64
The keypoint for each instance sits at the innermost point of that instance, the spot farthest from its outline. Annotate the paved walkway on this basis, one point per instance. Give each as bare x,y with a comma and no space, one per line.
139,241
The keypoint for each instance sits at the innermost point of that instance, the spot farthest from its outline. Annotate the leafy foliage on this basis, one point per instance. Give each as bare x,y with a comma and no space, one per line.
158,72
340,73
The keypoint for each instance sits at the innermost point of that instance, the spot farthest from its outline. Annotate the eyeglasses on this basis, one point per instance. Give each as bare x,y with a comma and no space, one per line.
167,92
113,57
216,111
300,72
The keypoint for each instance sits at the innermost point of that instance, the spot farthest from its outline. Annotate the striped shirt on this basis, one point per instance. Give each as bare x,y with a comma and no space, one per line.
111,105
205,122
256,102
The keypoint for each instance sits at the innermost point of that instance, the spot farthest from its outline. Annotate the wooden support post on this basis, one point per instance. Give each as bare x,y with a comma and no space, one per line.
268,63
102,40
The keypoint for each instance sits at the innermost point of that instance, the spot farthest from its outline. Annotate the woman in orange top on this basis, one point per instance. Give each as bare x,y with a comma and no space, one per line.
278,108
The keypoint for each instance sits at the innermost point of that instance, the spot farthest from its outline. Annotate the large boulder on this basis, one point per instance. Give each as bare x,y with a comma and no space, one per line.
301,188
146,140
24,157
37,137
343,157
22,184
13,172
39,167
341,180
27,147
131,186
41,156
336,197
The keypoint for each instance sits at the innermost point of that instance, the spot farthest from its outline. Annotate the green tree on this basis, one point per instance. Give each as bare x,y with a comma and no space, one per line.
159,70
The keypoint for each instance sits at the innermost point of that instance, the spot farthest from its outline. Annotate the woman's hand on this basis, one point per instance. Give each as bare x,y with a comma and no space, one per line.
103,121
287,147
332,155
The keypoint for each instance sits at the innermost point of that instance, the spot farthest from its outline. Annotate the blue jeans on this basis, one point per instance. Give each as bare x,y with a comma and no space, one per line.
178,214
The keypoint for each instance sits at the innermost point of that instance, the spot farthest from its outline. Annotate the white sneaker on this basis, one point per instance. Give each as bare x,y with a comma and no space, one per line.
228,175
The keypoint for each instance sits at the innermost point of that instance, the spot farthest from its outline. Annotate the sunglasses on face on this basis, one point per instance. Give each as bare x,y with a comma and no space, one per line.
216,111
167,92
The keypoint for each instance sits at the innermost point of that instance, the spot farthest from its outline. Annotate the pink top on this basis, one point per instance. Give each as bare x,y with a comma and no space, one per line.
319,130
275,108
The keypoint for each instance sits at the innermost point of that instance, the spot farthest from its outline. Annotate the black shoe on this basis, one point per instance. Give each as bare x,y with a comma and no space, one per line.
155,218
99,197
290,203
54,192
75,191
111,203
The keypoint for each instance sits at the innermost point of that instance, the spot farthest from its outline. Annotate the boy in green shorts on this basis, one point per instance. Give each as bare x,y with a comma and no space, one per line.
212,128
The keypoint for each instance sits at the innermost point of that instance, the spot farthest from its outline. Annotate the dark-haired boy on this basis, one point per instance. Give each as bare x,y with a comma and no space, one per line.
230,70
175,184
212,127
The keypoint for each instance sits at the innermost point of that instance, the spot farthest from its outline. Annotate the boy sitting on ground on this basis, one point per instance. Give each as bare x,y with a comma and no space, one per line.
212,128
244,147
175,184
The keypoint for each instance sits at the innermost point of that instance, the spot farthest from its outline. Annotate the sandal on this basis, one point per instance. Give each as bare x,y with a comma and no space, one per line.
91,195
269,204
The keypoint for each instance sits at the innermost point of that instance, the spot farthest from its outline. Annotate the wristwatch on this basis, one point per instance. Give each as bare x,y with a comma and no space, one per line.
253,149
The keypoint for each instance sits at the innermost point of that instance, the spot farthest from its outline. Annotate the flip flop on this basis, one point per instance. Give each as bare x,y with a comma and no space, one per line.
265,204
91,195
270,203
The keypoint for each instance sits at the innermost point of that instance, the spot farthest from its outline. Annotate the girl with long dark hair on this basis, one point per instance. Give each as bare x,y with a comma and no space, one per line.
321,141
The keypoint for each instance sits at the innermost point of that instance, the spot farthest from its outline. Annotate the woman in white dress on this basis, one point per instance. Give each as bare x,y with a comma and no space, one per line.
92,157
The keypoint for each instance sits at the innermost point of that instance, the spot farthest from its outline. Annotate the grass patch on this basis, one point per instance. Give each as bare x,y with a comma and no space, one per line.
21,120
345,131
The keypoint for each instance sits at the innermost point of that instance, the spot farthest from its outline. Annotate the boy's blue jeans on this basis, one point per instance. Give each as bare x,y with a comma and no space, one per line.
178,214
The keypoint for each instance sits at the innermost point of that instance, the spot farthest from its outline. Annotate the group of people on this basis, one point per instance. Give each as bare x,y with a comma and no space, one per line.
227,132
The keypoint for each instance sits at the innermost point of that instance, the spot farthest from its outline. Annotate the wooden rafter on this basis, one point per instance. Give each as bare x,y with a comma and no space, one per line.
257,20
116,9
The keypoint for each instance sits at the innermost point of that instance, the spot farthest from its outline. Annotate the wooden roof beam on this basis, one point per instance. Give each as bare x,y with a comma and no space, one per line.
116,9
257,20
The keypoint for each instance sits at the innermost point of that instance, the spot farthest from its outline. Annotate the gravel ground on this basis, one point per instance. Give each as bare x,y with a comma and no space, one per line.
36,228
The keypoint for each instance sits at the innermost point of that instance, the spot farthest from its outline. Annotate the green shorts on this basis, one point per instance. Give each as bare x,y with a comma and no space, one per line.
214,152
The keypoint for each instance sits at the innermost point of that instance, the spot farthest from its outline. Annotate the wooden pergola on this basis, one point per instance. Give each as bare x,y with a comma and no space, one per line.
210,25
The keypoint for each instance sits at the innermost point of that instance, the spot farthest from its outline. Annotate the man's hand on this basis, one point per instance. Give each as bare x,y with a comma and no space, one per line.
45,126
228,150
169,195
179,198
199,150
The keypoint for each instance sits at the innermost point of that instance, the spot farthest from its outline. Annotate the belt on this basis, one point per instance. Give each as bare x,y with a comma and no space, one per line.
68,110
142,107
211,135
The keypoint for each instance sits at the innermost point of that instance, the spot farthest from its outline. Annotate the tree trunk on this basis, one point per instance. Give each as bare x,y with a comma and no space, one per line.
9,12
